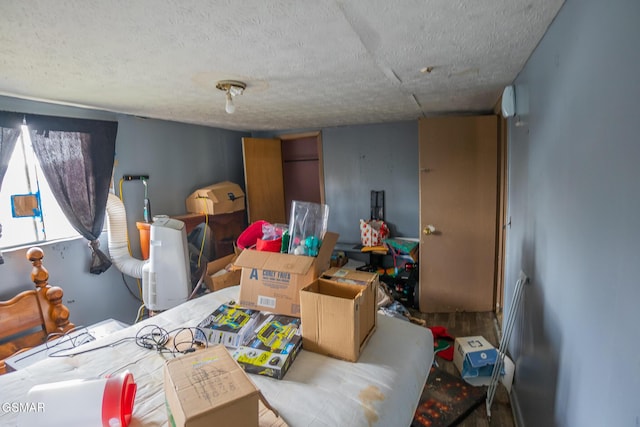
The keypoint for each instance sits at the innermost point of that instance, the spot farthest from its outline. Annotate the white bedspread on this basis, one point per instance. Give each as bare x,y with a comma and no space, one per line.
381,389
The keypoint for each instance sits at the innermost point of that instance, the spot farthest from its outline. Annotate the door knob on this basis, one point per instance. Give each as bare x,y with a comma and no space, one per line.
429,229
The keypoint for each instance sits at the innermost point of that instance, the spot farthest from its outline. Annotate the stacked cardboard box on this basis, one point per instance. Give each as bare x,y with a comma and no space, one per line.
271,281
263,343
337,307
272,346
227,325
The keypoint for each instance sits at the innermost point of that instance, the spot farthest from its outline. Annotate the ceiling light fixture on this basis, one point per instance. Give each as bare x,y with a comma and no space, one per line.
232,89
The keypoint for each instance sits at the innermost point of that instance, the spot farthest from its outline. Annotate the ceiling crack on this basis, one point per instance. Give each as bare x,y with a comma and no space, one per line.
368,37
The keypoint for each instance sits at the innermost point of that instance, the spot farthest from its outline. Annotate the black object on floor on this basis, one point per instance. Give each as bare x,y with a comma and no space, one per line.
446,400
405,286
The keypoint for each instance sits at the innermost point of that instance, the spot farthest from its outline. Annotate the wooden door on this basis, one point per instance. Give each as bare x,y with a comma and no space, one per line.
263,180
502,220
458,198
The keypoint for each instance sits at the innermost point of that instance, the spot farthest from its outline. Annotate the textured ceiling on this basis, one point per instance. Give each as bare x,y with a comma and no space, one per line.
306,63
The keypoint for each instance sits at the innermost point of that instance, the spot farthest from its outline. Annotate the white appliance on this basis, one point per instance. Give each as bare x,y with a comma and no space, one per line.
165,277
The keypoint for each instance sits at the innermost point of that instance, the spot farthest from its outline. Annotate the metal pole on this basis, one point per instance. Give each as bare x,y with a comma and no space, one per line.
504,341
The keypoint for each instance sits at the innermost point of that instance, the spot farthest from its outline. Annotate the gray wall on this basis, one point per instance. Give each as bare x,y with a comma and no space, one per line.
178,159
574,203
90,298
359,159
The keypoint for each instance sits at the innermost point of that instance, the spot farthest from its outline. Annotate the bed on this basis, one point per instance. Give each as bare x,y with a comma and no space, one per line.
381,389
32,316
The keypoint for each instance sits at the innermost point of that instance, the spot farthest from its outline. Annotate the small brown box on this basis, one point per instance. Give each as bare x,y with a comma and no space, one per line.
207,388
218,277
220,198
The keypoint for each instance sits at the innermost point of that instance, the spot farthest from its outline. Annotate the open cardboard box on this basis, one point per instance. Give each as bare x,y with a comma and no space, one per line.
338,318
271,281
475,357
370,282
222,273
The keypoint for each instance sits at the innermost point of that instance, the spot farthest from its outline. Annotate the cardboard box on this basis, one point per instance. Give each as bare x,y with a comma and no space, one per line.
271,281
475,358
221,273
334,318
223,197
227,325
208,387
370,282
272,346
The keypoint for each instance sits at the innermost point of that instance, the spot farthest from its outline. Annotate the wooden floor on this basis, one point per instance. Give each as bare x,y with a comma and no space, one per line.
468,324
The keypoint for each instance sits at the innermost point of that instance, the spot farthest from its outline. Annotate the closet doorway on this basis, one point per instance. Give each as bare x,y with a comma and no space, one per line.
279,170
302,168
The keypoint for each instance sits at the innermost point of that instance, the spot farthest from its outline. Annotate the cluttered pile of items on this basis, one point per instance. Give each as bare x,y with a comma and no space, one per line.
285,283
289,299
394,259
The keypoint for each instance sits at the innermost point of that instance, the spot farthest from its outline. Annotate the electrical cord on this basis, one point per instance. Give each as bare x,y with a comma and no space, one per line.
156,338
56,339
151,337
139,314
113,344
129,289
206,227
192,343
198,285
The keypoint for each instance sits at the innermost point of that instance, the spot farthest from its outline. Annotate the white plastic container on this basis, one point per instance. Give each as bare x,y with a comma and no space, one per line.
104,402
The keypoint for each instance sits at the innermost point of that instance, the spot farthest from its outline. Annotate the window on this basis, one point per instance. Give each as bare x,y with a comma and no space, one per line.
24,176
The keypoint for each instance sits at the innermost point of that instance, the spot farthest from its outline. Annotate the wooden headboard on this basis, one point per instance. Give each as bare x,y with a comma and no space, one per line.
31,317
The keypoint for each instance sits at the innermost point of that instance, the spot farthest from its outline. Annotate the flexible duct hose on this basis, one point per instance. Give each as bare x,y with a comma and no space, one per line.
117,233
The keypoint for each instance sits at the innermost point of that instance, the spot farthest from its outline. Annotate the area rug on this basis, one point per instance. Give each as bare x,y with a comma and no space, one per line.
446,400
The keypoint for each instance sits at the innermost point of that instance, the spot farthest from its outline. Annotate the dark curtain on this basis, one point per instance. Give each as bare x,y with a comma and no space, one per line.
8,138
9,133
77,158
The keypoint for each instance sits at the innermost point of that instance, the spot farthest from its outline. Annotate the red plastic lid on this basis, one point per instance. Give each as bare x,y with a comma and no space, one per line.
249,237
117,401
